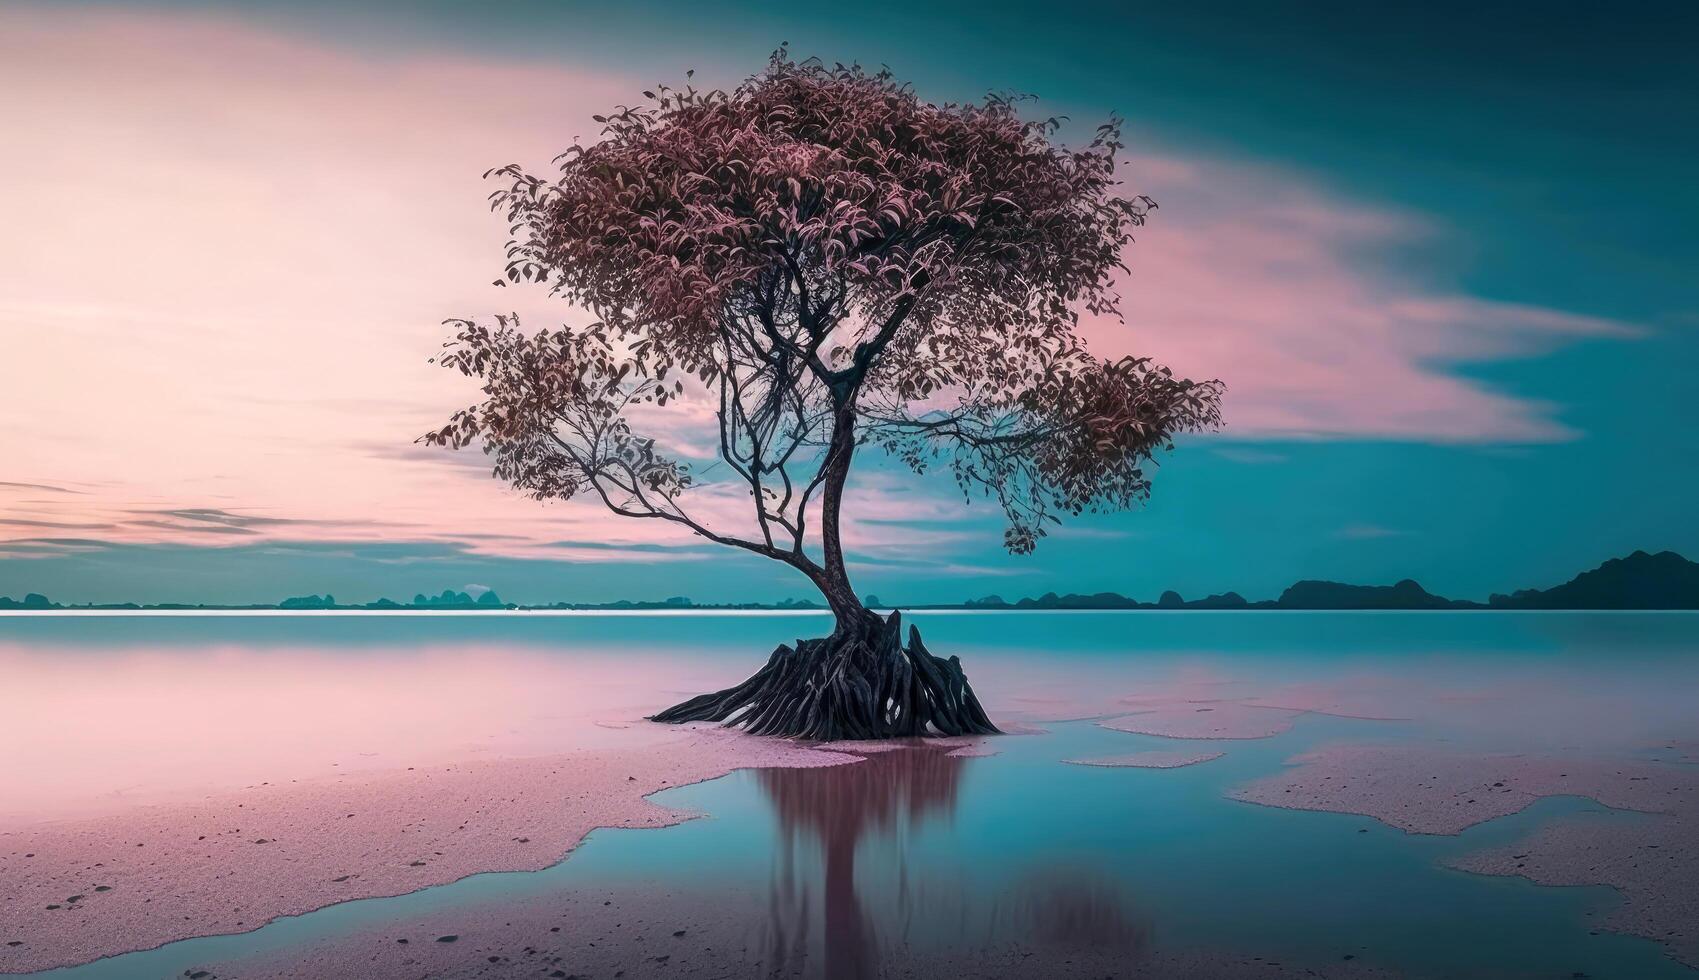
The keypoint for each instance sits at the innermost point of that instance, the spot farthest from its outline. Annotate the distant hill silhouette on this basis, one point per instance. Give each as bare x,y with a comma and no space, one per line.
34,600
326,601
1226,600
1112,600
451,599
1099,600
1639,581
1333,595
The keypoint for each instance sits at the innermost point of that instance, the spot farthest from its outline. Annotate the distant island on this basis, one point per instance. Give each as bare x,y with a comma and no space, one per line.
1665,580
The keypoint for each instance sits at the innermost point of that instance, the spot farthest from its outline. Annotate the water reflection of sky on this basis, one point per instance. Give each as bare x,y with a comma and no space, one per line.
847,868
106,713
841,872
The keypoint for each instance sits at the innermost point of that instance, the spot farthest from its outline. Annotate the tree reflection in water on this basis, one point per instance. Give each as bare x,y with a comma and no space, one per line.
872,809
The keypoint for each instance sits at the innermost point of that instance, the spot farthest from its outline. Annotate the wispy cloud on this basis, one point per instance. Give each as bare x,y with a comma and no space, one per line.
50,547
596,551
223,518
192,528
1306,304
42,487
61,525
1368,532
262,371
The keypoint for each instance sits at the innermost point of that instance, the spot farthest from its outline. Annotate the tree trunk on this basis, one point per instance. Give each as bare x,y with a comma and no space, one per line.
834,581
860,682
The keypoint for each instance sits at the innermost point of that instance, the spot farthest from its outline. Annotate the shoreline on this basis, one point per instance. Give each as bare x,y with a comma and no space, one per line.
523,838
709,612
1652,865
89,888
230,862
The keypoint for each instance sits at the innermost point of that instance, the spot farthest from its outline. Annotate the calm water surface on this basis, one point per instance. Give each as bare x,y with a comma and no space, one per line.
911,848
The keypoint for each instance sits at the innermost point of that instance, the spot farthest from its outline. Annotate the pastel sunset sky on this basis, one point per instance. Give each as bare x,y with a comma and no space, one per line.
1444,262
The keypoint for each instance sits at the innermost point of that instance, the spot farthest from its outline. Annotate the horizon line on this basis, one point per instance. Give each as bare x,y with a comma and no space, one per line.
941,611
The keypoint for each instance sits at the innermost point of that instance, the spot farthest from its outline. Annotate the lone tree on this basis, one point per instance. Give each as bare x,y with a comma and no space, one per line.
831,263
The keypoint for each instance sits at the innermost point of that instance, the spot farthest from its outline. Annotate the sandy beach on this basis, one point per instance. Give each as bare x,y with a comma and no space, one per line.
76,890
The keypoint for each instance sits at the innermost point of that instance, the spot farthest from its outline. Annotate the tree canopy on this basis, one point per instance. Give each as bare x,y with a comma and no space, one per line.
830,262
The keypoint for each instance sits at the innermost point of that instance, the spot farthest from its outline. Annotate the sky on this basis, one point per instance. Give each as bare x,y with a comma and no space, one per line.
1441,257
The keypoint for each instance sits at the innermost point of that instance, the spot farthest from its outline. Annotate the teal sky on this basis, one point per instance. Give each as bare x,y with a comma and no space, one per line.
1546,150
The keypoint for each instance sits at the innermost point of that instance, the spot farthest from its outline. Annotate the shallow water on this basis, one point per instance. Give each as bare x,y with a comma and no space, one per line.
851,866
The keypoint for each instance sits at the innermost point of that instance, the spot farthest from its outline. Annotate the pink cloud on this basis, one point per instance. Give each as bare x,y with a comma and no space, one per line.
1290,295
228,252
227,256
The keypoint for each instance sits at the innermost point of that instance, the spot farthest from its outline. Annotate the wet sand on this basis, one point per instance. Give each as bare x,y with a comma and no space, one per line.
1155,759
1651,855
1652,861
1212,720
84,888
77,890
701,934
1425,790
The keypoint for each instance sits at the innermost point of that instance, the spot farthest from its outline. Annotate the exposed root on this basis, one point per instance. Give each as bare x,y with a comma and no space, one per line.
859,683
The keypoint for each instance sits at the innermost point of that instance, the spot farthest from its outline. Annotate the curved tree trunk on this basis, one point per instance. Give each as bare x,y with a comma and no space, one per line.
860,682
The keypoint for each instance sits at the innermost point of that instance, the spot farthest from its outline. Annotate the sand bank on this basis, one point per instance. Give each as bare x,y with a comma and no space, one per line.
1155,759
1213,719
80,889
1651,857
1653,860
1434,791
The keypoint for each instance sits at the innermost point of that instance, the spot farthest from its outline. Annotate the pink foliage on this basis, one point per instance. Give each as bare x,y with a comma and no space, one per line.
836,262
